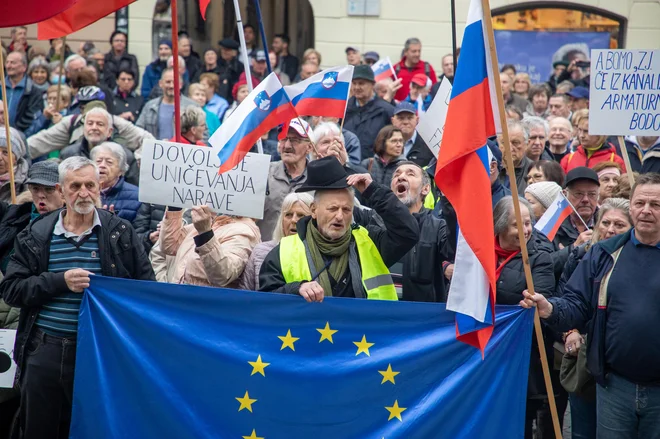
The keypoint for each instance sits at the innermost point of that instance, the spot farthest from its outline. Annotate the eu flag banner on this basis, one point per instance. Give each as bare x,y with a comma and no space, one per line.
172,361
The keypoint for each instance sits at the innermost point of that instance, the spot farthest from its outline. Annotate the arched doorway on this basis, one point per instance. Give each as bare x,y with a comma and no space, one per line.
534,35
292,17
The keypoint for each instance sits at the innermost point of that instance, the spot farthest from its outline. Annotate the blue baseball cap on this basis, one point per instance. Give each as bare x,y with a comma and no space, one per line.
405,107
579,93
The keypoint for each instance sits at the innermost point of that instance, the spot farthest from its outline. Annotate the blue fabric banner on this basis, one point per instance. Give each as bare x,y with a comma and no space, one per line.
171,361
534,52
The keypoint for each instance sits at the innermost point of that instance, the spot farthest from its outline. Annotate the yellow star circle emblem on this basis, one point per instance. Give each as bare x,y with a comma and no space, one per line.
395,411
246,402
288,340
326,333
363,346
388,375
258,366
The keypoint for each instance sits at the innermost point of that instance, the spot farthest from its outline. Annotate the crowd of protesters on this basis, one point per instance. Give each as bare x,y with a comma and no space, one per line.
352,208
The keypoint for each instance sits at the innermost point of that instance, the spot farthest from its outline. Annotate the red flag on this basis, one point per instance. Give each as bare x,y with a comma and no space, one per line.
203,4
21,13
82,14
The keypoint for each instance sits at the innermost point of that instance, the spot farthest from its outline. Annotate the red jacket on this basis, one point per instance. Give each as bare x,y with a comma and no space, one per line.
607,153
405,74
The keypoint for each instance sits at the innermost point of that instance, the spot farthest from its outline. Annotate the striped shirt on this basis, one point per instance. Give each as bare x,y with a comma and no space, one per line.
59,317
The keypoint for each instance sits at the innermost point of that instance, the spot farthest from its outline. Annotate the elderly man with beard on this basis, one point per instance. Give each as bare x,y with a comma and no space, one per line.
422,280
41,281
330,257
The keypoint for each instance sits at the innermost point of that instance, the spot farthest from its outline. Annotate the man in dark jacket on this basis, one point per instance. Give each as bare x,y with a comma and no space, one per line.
230,67
125,102
414,148
422,281
582,192
118,59
346,261
42,283
194,65
518,138
366,113
154,70
286,62
622,350
42,179
643,151
23,99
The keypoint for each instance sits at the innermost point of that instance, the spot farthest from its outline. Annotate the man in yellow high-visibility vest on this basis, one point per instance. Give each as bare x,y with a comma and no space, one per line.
329,256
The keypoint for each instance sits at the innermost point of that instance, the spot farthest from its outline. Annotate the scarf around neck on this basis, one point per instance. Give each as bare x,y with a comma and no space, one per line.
319,246
505,255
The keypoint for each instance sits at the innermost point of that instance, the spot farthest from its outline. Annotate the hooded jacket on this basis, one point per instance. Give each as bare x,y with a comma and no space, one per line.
606,153
217,259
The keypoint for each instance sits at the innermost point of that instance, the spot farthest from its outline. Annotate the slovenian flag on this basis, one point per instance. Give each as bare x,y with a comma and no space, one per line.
324,94
266,107
463,175
557,212
383,69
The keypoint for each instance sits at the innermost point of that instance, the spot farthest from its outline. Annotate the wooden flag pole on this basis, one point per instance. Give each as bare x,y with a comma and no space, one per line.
516,207
59,83
10,155
175,66
626,160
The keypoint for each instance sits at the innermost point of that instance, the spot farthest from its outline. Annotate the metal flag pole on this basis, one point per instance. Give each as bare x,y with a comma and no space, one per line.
10,155
453,34
246,61
516,208
177,79
262,31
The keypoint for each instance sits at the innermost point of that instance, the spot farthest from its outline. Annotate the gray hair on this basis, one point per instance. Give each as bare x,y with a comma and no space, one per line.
319,193
72,58
503,210
620,204
325,129
73,164
170,61
410,42
532,122
38,63
514,124
24,59
102,112
288,202
191,116
116,150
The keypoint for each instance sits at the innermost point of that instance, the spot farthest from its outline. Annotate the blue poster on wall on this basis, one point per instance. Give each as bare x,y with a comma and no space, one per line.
534,52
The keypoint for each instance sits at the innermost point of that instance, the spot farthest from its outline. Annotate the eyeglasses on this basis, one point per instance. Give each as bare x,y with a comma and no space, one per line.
295,141
581,195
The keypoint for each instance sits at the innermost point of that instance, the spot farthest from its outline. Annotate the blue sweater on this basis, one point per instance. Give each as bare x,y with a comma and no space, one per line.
124,196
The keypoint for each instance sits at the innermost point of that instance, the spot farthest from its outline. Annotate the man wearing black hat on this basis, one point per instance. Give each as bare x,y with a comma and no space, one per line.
331,257
230,68
366,113
559,68
582,192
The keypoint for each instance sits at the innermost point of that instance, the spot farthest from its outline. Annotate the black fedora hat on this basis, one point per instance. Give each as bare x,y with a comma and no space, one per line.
325,173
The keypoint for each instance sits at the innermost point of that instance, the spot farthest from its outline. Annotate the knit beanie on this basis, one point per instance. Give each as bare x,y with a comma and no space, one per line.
544,191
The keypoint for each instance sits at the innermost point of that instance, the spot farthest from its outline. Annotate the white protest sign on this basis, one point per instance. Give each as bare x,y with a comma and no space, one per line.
7,365
432,123
624,96
178,175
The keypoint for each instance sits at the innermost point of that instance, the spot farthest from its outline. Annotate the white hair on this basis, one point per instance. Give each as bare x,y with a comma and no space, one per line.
532,122
325,129
116,150
73,164
102,112
72,58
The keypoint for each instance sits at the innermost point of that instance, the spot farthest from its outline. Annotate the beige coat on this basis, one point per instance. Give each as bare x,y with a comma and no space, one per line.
219,262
